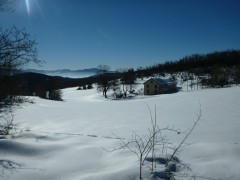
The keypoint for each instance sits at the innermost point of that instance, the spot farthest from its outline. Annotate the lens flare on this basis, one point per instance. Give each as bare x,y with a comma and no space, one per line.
27,6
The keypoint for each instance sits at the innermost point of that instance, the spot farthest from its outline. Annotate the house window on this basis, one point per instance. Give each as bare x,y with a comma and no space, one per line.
147,86
151,81
155,86
155,91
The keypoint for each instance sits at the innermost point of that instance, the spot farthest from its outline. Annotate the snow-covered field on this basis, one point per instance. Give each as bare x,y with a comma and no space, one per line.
65,140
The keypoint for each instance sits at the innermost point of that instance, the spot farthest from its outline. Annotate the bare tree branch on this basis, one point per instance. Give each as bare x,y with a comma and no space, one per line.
187,135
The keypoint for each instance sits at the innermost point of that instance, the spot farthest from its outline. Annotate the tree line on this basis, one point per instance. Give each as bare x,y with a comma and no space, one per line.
216,69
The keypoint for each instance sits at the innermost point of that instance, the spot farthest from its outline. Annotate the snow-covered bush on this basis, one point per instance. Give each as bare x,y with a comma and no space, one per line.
6,126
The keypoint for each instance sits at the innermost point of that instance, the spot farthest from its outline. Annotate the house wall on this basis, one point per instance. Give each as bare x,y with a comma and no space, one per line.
151,88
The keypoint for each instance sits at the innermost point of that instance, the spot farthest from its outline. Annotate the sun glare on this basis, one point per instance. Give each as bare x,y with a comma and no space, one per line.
27,6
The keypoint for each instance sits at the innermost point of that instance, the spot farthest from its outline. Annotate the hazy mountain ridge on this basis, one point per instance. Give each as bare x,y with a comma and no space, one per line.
66,72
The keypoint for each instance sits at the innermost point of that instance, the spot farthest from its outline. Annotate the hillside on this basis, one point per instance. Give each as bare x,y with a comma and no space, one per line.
217,69
65,140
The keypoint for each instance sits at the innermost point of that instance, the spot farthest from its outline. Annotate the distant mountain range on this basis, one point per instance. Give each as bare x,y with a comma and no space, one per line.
66,72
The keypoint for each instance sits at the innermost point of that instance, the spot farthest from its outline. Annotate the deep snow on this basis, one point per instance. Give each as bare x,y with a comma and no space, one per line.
65,140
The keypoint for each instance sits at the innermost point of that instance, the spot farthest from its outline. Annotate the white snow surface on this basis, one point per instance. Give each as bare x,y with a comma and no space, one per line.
66,140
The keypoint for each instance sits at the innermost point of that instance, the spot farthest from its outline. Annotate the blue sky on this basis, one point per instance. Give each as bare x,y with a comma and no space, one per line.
78,34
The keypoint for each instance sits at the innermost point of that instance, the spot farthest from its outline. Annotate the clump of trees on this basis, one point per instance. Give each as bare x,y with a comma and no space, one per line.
121,82
85,87
50,91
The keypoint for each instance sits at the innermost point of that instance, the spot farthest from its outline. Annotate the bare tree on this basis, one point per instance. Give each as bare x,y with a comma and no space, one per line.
17,48
6,125
105,83
187,135
128,80
105,80
102,69
153,132
141,146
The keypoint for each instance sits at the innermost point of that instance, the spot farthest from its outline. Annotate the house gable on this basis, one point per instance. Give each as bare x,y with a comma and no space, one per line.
151,87
155,86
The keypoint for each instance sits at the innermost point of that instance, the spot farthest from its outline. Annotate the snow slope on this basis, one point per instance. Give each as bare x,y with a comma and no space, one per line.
65,140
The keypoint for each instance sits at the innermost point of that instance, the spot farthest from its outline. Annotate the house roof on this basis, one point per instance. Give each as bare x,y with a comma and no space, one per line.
162,81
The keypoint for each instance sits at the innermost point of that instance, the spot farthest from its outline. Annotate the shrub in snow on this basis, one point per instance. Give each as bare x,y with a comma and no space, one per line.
6,126
146,146
55,95
172,167
89,86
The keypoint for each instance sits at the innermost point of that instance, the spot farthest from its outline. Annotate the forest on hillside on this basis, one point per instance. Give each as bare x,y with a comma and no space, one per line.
216,69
